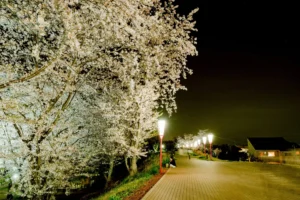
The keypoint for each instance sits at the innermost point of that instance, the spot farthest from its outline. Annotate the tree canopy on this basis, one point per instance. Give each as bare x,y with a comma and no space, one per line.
82,82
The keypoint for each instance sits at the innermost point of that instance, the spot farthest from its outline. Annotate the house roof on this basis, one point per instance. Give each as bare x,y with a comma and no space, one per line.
270,143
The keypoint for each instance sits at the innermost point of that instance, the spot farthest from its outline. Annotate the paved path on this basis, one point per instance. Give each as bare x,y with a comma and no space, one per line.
211,180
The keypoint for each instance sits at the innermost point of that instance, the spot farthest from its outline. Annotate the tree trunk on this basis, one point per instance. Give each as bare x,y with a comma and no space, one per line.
35,165
110,171
133,166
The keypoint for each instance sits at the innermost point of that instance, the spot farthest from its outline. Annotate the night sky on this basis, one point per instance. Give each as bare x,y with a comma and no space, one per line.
246,80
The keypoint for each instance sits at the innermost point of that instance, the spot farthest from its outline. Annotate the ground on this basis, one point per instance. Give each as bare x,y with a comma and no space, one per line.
195,179
137,195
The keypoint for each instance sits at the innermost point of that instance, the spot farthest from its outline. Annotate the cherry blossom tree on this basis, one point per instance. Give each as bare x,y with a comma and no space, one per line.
130,52
40,77
180,142
202,133
152,62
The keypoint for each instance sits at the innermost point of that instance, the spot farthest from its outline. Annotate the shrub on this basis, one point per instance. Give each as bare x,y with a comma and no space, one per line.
165,161
115,197
154,170
194,154
131,183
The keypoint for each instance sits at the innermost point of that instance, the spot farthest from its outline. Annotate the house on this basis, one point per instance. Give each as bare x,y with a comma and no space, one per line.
292,156
268,148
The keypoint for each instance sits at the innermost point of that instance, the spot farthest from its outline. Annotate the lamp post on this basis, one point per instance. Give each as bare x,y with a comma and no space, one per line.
210,138
161,130
199,142
204,143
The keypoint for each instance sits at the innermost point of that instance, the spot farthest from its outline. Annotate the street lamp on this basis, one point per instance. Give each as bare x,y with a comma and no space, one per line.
161,130
199,142
204,143
210,138
15,177
195,144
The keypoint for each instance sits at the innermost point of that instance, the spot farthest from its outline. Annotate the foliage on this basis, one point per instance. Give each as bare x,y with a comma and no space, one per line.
4,177
128,186
155,147
154,170
189,140
202,133
194,154
165,161
115,198
133,183
82,83
3,192
170,146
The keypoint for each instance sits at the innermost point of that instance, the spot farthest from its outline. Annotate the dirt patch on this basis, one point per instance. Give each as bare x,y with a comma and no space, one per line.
140,193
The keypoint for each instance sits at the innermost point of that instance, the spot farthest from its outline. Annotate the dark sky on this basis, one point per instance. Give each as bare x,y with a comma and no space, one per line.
245,80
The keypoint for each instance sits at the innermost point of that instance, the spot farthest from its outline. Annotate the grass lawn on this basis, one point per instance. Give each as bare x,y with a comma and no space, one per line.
130,185
126,188
204,158
3,192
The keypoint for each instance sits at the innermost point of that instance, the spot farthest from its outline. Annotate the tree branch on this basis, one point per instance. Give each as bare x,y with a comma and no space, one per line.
19,130
28,77
126,163
64,107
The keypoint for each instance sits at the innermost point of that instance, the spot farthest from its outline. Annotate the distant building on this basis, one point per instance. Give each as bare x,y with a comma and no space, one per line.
273,149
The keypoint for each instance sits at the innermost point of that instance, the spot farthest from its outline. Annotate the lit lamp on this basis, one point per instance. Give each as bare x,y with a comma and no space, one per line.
161,130
195,144
210,138
15,177
204,143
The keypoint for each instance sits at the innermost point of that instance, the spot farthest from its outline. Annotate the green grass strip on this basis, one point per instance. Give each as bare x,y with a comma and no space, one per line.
126,188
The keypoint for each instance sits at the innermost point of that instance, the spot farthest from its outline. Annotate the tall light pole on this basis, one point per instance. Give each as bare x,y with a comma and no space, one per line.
161,130
210,138
199,142
204,143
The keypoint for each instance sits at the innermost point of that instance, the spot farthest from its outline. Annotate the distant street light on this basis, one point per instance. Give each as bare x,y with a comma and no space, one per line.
210,139
204,143
161,130
195,144
15,177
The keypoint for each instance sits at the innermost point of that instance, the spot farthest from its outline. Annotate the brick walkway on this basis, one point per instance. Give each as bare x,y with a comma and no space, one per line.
210,180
